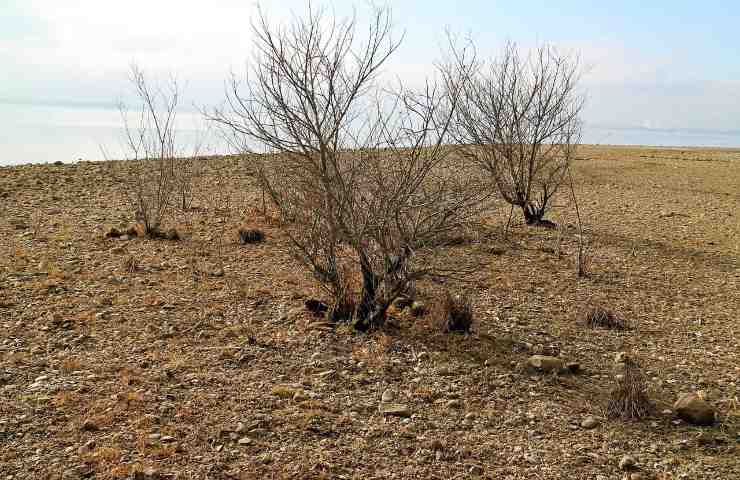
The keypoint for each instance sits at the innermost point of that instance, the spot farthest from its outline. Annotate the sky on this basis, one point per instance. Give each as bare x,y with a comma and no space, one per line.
657,65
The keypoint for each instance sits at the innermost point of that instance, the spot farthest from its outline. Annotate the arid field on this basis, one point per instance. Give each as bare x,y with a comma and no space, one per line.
196,358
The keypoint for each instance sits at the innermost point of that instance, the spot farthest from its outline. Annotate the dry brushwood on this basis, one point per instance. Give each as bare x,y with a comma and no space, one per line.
457,313
131,264
600,317
156,175
250,235
518,120
358,174
629,399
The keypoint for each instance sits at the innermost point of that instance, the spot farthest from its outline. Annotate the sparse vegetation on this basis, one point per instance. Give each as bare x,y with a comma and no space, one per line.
207,358
629,399
600,317
518,119
456,313
360,180
157,175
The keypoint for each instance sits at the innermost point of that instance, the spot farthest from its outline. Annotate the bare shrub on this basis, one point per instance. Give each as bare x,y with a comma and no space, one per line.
157,176
360,176
518,120
456,313
629,398
603,318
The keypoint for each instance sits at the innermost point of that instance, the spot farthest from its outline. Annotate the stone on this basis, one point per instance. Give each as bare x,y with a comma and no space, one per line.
475,470
454,404
544,363
590,422
387,396
627,462
89,426
621,357
692,408
573,367
87,448
395,410
245,441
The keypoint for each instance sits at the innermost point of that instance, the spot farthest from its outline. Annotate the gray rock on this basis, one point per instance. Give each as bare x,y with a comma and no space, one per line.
692,408
621,357
395,410
627,462
544,363
590,422
387,396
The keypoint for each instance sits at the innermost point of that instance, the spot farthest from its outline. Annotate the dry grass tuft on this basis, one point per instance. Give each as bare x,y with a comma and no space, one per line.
629,398
251,235
455,313
600,317
131,264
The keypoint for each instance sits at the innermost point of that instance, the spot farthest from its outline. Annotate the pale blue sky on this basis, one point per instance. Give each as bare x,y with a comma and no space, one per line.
659,64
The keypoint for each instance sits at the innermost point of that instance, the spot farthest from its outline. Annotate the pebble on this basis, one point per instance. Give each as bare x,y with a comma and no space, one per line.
387,396
627,462
590,422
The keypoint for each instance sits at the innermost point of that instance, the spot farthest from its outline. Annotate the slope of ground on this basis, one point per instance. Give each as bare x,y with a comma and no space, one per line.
195,359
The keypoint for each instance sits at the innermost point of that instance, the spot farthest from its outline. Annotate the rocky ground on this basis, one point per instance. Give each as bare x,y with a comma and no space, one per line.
159,359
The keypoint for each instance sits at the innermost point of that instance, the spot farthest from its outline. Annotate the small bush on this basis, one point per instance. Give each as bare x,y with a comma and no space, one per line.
629,398
250,235
457,313
600,317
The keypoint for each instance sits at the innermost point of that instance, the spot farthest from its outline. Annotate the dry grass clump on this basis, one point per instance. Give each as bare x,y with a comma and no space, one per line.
455,313
629,398
600,317
250,235
131,264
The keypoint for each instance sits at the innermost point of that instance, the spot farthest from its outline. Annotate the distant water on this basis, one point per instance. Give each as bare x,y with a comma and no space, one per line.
40,134
43,134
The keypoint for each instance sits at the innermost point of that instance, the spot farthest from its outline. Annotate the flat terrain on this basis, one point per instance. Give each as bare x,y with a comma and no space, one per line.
196,359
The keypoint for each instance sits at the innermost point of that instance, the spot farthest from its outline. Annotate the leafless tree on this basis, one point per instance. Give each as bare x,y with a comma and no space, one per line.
360,176
157,175
518,118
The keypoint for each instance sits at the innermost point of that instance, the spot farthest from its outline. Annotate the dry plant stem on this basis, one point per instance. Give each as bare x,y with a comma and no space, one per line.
581,269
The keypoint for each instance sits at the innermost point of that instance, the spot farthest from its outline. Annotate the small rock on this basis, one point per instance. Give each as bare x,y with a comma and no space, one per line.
454,404
470,416
245,441
300,396
475,470
621,357
544,363
387,396
627,462
89,426
395,409
590,422
87,448
692,408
